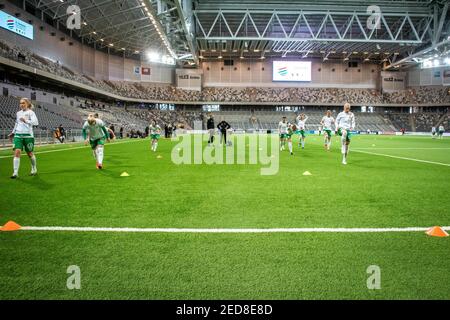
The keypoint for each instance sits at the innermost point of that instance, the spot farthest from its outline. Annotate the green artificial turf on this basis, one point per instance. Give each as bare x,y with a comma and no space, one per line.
371,191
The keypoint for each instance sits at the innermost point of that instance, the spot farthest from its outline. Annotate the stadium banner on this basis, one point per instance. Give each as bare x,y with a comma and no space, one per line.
393,81
189,79
291,71
446,77
15,25
145,71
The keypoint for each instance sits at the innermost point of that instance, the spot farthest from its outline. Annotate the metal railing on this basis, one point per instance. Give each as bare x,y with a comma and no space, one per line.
43,137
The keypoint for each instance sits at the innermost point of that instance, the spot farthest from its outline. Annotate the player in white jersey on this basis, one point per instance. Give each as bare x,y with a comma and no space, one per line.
301,129
95,133
327,122
23,136
283,129
433,132
155,133
441,131
345,122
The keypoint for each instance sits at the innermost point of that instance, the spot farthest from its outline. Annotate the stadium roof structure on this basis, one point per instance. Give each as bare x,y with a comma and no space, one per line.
394,32
132,26
323,29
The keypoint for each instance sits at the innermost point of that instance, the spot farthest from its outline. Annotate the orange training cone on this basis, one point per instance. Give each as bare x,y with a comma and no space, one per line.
10,226
437,232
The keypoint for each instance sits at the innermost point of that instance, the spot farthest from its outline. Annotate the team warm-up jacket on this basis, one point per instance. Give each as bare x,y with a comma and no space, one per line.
223,126
210,124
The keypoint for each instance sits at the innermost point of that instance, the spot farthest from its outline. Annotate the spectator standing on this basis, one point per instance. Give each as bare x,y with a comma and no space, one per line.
210,127
223,126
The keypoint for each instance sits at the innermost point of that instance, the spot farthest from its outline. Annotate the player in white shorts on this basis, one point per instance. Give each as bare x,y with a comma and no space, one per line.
301,120
441,131
345,123
283,130
433,132
23,137
327,122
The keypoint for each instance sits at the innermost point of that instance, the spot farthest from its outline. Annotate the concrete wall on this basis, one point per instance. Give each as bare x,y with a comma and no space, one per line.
428,77
258,73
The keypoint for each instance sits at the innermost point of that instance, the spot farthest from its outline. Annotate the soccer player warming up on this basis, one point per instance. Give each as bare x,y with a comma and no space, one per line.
441,131
345,122
23,136
282,128
327,122
290,131
301,120
155,133
95,133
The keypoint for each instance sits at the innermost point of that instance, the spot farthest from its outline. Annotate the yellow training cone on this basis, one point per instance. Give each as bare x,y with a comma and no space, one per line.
125,174
307,173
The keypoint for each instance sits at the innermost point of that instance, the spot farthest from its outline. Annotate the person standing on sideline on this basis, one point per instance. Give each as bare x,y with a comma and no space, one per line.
62,133
211,128
223,126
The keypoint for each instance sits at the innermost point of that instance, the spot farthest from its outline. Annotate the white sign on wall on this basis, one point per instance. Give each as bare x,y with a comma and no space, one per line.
393,81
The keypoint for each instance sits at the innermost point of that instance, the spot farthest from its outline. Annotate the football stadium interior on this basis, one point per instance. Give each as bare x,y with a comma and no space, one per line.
164,207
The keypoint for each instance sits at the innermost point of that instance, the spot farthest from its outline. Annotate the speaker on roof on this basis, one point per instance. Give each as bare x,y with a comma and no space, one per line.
228,62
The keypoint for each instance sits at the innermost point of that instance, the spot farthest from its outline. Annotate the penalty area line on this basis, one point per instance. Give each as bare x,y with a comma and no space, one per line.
230,230
401,158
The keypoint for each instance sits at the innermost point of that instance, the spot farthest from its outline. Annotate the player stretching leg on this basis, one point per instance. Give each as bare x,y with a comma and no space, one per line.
155,132
23,136
282,128
345,122
95,132
327,122
301,120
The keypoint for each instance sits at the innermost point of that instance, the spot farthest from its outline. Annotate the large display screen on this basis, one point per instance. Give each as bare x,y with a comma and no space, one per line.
291,71
15,25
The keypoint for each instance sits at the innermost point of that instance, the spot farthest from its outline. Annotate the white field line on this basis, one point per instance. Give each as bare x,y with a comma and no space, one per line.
71,148
376,148
231,230
402,158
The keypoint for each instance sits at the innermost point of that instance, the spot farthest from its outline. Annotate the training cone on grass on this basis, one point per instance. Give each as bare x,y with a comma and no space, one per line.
307,173
125,174
159,157
10,226
437,232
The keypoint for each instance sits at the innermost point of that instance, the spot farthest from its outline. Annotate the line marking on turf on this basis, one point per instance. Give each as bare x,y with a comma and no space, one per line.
376,148
71,148
402,158
231,230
